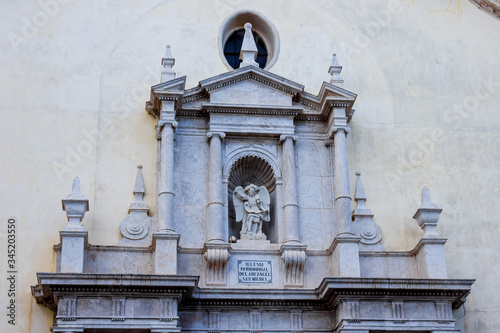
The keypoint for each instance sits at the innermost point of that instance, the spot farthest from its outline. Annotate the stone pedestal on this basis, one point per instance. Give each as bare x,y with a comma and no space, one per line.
429,251
431,259
344,253
73,245
165,253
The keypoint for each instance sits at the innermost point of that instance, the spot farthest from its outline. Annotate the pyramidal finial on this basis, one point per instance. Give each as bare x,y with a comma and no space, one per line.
75,190
426,199
248,52
167,62
360,197
139,191
334,71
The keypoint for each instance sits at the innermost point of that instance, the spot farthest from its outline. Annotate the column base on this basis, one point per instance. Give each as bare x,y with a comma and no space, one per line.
165,253
344,253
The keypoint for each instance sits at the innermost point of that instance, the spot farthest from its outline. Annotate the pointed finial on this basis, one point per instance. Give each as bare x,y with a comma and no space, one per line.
139,191
427,214
167,62
75,190
334,71
360,197
75,205
248,52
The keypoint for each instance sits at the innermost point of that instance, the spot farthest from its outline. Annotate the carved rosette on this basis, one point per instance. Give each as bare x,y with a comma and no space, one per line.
216,256
135,226
294,262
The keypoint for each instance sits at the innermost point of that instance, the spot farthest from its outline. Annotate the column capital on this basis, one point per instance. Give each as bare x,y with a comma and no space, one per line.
221,135
283,137
337,128
162,123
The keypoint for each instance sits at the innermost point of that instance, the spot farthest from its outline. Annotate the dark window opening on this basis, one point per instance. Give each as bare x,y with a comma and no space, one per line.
233,47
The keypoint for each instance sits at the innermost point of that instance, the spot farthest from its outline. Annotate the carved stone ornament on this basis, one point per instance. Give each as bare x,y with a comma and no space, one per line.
364,225
251,205
135,227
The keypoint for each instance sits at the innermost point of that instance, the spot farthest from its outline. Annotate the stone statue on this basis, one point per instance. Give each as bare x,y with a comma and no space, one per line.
251,206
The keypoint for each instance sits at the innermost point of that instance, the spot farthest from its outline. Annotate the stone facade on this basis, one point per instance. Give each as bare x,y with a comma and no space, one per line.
426,79
265,140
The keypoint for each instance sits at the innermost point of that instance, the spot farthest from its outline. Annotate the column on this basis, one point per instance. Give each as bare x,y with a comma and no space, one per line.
290,202
216,249
345,247
216,226
166,189
165,242
293,253
341,178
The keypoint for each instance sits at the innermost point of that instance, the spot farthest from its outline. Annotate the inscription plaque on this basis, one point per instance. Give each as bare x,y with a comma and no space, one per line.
255,271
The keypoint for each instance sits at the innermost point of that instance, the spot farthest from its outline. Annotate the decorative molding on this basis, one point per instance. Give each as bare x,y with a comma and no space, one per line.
168,309
398,313
214,321
296,321
255,321
118,309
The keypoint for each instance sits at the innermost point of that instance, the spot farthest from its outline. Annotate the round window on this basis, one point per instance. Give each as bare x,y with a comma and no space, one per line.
231,37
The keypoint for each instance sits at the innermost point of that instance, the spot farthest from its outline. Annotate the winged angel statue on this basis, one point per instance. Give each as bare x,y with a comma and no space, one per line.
251,205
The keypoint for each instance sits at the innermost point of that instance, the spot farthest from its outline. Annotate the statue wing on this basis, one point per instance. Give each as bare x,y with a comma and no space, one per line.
266,200
238,203
264,195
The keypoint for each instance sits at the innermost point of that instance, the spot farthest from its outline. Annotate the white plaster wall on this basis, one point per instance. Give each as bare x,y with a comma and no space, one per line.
83,73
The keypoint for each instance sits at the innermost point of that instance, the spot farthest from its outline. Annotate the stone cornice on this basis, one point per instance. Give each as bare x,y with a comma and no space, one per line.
328,294
252,109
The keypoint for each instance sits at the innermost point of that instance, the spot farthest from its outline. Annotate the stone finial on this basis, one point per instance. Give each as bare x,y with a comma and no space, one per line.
364,225
139,191
135,227
427,215
167,62
248,52
360,197
75,205
334,71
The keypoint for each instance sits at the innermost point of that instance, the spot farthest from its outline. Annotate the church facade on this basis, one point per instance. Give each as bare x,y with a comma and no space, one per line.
279,248
249,180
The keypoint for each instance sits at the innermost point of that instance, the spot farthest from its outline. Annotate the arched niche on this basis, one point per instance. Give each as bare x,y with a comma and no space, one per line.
249,169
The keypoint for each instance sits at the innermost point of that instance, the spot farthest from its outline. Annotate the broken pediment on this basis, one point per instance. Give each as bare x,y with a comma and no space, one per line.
251,88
